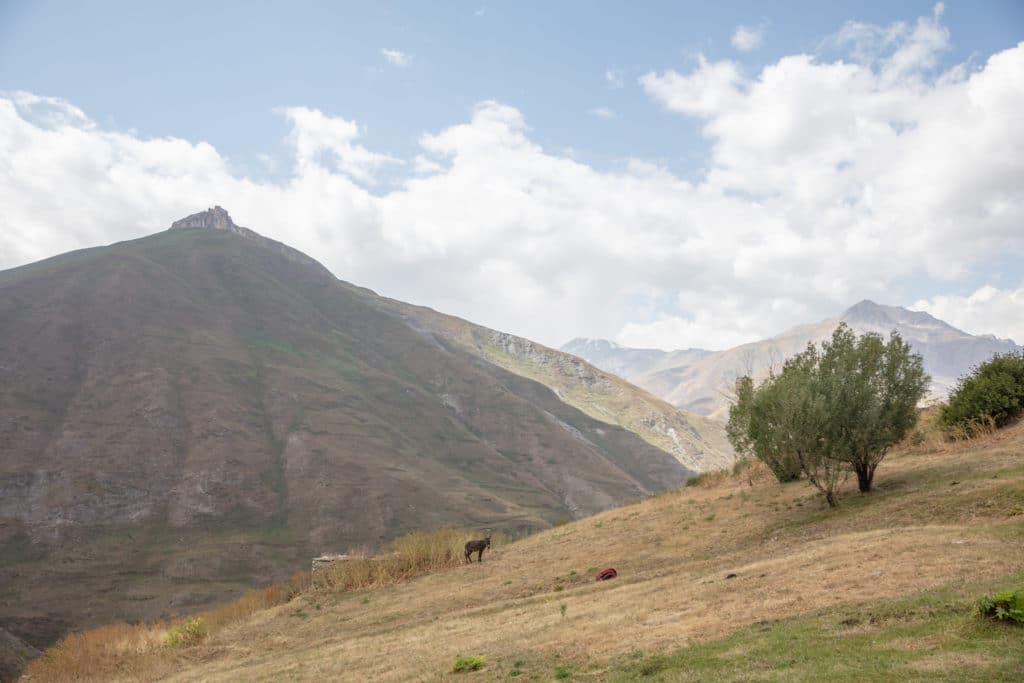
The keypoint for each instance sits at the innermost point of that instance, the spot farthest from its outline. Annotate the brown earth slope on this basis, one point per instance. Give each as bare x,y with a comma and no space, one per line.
191,413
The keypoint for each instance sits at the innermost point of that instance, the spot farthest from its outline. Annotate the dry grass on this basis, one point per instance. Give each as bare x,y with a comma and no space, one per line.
411,555
124,649
940,515
120,649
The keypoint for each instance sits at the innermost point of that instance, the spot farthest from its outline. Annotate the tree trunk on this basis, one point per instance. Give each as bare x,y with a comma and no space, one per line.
865,474
830,497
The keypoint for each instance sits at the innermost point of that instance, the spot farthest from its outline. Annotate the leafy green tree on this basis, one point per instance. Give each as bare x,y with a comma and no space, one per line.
992,393
831,410
873,389
785,422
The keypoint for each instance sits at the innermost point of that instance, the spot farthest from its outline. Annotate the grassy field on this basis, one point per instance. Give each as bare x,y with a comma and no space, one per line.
738,578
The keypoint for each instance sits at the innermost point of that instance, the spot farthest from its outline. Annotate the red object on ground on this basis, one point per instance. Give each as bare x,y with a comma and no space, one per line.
609,573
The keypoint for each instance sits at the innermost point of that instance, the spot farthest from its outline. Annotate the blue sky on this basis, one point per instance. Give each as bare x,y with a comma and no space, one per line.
215,71
588,87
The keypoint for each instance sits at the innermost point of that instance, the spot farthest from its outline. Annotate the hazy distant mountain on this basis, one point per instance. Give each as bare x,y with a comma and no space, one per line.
627,362
702,385
190,413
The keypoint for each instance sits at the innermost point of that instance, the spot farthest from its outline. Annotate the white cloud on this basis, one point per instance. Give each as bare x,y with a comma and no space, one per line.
603,113
614,78
827,182
711,88
316,136
986,310
396,57
746,38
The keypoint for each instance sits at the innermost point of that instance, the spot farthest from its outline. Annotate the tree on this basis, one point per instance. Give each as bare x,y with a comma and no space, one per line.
785,422
873,389
831,411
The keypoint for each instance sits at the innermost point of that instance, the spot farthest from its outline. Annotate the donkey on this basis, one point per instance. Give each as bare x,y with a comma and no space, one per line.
478,548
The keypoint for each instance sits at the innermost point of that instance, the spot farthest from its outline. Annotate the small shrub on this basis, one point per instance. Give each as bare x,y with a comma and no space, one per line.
694,480
562,672
562,608
188,633
992,394
1004,606
466,664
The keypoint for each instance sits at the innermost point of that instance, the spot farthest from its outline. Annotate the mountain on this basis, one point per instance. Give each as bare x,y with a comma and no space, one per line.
702,385
188,414
629,362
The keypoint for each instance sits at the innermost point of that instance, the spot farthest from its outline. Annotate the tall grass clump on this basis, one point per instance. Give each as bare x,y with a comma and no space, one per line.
407,556
99,654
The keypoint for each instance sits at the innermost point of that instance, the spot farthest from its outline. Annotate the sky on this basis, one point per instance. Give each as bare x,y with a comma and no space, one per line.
667,175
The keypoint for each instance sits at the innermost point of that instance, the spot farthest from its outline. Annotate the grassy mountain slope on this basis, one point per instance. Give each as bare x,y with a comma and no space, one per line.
188,414
697,442
741,579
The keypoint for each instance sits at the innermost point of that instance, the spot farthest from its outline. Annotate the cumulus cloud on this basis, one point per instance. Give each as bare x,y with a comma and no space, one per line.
826,182
614,78
319,139
707,90
396,57
986,310
746,38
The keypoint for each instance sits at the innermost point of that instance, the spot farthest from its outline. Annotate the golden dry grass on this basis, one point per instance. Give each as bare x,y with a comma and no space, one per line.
942,513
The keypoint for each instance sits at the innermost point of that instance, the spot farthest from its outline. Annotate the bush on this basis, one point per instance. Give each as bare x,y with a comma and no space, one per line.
464,664
188,633
1004,606
992,394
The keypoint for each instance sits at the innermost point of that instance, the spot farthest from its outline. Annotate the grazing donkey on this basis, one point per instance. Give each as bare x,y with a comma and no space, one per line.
478,548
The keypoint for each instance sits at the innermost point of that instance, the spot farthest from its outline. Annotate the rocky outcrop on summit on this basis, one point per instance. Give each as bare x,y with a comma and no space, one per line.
216,218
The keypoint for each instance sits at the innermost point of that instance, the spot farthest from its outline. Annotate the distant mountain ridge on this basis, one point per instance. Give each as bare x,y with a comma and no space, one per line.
628,362
702,385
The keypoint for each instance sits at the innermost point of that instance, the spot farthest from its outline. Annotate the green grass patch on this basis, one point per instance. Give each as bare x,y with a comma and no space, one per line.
935,635
188,633
466,664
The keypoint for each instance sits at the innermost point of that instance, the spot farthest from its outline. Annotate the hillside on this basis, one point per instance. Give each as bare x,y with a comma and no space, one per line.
191,413
697,442
701,384
736,580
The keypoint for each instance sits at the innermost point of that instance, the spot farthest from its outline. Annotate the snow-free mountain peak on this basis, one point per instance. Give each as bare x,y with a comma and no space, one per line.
700,384
216,218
